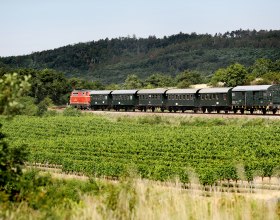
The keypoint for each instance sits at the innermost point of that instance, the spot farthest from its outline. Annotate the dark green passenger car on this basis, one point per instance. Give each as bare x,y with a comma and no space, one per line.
182,100
124,99
101,99
152,99
258,97
215,99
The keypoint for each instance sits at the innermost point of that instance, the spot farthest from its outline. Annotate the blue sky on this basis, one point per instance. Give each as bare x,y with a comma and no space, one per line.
27,26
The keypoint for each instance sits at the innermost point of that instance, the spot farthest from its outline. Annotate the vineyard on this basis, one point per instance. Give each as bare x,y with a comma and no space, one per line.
154,147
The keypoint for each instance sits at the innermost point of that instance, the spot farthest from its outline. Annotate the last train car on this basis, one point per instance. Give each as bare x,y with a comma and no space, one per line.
257,97
80,99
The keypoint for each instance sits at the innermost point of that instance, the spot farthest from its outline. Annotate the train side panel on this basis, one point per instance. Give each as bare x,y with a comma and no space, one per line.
80,99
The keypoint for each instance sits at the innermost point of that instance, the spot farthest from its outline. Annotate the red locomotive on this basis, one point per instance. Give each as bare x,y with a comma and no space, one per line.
80,99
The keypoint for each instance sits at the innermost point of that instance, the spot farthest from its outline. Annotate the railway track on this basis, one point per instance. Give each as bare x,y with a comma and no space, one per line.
185,114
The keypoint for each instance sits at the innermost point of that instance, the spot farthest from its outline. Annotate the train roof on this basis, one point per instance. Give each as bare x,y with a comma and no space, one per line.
101,92
152,91
124,92
82,90
215,90
179,91
251,88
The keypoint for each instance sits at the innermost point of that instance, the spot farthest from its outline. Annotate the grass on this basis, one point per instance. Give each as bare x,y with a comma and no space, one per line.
133,198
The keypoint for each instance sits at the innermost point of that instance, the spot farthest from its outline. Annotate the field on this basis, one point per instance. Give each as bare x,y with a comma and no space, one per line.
147,167
152,147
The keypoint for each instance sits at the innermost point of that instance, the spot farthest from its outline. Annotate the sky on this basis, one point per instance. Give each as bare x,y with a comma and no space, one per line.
28,26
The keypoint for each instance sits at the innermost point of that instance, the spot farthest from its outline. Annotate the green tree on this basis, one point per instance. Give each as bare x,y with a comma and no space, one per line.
261,67
12,87
187,78
234,75
49,83
159,80
133,82
219,76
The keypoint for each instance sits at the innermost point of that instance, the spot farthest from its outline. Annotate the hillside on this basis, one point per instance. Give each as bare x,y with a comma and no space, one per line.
110,61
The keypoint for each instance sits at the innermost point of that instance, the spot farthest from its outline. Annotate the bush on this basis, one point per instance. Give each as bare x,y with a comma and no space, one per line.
28,106
70,111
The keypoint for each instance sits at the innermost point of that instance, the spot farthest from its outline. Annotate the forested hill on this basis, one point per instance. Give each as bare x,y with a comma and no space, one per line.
110,61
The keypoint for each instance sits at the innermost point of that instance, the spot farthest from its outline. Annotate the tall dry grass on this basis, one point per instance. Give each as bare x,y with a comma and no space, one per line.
143,199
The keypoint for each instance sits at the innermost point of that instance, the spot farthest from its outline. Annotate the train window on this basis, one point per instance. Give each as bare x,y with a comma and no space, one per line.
210,97
233,94
188,97
264,94
217,97
191,97
206,96
225,96
202,97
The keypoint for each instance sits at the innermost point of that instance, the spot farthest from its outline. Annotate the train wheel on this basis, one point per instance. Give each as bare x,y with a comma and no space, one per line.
234,110
264,111
162,109
251,111
242,111
274,111
218,111
203,110
226,111
195,110
170,109
153,109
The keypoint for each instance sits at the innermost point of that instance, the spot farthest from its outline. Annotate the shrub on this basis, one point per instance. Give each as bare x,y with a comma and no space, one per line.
70,111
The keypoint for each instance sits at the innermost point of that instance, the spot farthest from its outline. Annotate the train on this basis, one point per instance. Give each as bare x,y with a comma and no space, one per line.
252,98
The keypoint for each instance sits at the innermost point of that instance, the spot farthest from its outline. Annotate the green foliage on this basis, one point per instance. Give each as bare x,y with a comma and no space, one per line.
158,80
111,61
43,106
234,75
133,82
186,78
159,148
11,161
11,88
70,111
28,106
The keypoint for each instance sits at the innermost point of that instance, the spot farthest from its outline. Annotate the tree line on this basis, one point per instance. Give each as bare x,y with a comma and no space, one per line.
112,60
49,86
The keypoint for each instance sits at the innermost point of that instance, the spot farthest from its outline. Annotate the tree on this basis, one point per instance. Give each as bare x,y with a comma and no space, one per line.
49,83
234,75
158,80
219,76
133,82
12,87
186,78
261,67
